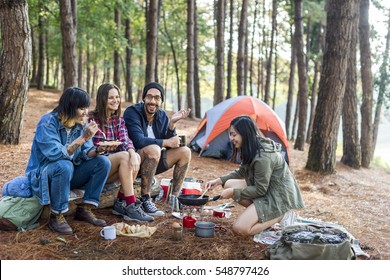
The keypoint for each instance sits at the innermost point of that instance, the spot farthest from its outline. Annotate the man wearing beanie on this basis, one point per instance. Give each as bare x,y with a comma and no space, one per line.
154,136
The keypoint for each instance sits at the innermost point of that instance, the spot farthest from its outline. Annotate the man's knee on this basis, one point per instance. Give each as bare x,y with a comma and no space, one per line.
151,152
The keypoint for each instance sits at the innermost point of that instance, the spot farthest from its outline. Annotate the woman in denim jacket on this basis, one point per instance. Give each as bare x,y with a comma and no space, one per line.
63,157
263,183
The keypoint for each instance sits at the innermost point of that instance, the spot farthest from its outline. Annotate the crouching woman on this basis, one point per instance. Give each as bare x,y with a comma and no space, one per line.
64,157
263,183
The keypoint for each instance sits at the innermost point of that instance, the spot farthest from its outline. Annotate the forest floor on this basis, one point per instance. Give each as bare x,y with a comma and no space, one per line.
355,199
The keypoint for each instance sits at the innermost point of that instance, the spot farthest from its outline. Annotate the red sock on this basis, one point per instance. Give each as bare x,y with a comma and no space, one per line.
130,199
121,195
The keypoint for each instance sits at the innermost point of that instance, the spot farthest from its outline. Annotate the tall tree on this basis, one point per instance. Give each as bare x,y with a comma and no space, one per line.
15,61
230,52
219,80
242,31
129,82
271,51
291,86
351,143
323,144
367,86
117,16
302,74
197,99
41,52
68,30
190,54
151,41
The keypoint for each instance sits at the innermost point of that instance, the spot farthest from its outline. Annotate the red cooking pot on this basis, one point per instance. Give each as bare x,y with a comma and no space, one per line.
189,222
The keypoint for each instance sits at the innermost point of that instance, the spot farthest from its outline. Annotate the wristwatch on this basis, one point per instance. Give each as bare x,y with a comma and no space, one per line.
99,152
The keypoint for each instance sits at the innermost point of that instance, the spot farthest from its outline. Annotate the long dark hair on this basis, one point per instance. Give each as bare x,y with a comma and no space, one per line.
72,98
250,134
101,112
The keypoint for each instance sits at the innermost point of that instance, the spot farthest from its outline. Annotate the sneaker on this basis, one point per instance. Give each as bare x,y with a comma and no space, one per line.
58,224
132,212
174,202
84,213
288,219
150,208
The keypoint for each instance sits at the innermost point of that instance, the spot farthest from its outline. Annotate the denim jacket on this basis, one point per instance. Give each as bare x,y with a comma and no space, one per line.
49,145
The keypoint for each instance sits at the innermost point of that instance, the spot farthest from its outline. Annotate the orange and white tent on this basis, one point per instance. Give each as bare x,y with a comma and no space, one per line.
211,138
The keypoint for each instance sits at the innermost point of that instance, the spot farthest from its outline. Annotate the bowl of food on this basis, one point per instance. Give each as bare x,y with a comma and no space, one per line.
110,143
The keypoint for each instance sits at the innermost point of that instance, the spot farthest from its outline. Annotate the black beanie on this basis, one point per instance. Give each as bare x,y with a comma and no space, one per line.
153,85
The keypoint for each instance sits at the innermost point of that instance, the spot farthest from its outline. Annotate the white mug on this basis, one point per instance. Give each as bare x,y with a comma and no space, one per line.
108,232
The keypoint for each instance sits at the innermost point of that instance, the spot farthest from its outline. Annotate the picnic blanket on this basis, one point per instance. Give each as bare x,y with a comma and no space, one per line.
272,235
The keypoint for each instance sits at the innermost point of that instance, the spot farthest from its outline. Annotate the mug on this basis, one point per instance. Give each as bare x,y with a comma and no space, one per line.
108,232
182,140
219,214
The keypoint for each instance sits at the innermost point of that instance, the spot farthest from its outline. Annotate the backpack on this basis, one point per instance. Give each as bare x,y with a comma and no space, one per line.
21,211
312,242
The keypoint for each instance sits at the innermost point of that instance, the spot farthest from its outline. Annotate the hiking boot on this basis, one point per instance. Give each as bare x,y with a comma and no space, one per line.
57,223
174,202
132,212
288,219
84,213
150,208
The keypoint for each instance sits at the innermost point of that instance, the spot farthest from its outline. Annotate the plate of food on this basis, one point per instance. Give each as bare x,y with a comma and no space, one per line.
109,143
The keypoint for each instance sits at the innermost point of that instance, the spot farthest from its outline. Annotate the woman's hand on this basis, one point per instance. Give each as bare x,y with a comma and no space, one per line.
227,193
135,161
213,183
90,131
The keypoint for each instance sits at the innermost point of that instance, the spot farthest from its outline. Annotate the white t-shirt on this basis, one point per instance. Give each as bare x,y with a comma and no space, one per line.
150,132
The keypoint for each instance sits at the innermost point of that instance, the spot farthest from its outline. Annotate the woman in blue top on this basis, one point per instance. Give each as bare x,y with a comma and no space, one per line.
63,157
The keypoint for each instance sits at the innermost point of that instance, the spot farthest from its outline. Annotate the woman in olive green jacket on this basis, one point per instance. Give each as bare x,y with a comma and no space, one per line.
263,183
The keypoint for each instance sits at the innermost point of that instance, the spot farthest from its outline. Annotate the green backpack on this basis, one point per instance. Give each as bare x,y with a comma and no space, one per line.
20,211
312,242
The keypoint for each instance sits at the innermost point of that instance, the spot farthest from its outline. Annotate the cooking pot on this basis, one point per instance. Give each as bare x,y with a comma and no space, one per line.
189,222
194,200
204,229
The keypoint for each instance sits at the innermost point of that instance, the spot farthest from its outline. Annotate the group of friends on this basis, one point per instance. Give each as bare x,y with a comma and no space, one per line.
67,154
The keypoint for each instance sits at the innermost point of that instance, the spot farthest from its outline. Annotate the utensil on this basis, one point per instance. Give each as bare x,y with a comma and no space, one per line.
193,199
201,196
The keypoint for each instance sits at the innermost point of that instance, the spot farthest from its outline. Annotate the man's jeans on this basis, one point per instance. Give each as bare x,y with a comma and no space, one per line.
90,175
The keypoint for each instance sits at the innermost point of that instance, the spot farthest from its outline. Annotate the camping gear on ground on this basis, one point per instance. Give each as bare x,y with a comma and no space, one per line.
23,212
177,231
19,187
212,139
204,229
219,213
194,200
312,242
189,222
108,232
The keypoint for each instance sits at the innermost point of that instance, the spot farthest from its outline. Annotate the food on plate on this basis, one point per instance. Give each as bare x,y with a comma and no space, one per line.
110,143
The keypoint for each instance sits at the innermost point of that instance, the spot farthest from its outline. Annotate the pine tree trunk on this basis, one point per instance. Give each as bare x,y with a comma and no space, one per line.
351,143
242,30
219,81
198,102
367,86
129,82
15,58
230,53
302,74
271,51
68,31
151,42
323,144
190,55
